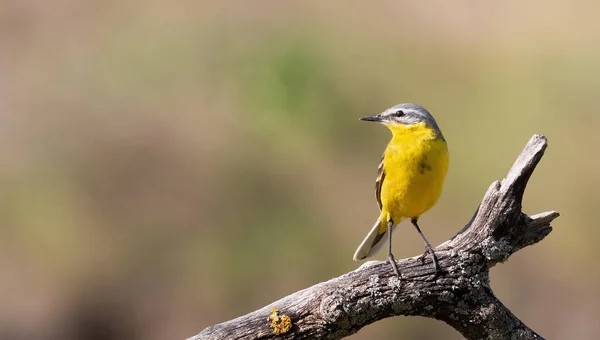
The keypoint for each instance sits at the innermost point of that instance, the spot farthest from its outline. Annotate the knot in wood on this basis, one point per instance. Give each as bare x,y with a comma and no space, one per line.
332,309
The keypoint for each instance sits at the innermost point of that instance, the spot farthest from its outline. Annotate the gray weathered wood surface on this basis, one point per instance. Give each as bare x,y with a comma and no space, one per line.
460,296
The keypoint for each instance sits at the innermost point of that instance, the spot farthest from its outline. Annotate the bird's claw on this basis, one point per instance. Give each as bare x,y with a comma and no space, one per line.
429,250
394,265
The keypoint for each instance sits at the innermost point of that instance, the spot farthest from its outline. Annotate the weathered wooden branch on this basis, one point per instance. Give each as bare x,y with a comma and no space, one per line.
460,296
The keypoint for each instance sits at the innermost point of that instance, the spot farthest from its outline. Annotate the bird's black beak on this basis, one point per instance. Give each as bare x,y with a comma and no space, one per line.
375,118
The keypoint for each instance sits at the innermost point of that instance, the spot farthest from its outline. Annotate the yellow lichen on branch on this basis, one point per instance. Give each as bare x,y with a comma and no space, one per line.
280,323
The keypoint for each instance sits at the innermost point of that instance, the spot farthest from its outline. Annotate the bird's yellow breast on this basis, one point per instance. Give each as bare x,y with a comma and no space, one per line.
415,164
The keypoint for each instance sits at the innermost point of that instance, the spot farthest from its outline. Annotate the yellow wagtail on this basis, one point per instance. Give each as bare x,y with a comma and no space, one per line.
410,176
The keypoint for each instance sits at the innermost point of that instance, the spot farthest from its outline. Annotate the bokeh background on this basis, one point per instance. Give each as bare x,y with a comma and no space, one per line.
165,166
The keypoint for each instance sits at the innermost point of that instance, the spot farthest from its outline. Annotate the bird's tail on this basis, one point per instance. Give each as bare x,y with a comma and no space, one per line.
373,242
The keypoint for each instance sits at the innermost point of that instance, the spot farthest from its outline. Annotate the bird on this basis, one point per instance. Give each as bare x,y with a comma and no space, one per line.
410,176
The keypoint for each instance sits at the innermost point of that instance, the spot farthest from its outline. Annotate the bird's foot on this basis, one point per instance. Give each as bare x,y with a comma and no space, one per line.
429,250
394,265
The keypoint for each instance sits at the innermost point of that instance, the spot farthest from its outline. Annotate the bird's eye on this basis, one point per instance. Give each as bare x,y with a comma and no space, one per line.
399,113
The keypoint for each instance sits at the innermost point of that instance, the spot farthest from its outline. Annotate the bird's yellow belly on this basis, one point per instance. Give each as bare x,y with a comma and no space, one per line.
415,174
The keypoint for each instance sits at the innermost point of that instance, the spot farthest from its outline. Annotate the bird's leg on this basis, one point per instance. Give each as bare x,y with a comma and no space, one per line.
391,259
428,248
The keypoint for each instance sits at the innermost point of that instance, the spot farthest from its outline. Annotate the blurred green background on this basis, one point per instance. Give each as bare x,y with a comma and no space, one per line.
166,166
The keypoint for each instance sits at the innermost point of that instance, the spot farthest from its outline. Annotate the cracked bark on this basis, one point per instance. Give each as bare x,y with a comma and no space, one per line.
460,296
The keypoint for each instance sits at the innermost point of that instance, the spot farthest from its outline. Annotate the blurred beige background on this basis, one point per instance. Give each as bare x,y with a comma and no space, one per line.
165,166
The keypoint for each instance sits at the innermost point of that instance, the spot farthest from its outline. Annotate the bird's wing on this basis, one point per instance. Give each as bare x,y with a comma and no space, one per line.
379,181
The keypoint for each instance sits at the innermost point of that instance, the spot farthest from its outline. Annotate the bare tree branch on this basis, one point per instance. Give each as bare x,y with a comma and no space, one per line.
460,296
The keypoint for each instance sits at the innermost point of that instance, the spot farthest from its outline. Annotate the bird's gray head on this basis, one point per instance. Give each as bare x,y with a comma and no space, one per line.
405,114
